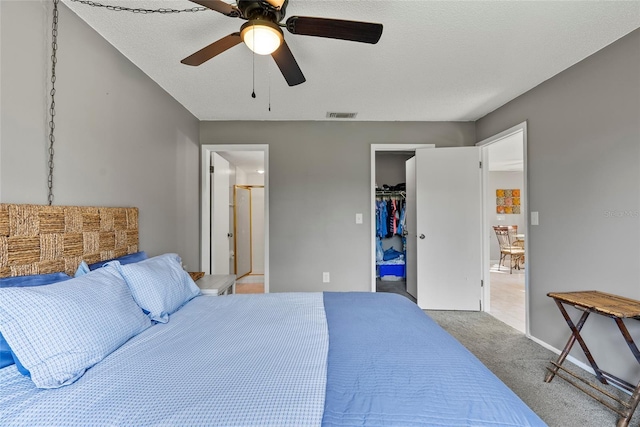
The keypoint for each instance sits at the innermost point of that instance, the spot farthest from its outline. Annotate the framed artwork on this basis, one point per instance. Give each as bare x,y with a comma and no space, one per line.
508,201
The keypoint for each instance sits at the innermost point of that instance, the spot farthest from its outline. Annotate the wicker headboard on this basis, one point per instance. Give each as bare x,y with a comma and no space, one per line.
39,239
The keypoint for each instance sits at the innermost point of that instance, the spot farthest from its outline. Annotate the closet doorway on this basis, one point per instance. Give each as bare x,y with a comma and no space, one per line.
391,241
234,219
442,222
397,274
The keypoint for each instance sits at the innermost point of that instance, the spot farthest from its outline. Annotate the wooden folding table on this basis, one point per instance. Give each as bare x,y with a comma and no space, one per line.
617,308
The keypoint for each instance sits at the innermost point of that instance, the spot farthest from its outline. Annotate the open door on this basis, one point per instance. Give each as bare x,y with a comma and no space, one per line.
449,228
410,258
219,215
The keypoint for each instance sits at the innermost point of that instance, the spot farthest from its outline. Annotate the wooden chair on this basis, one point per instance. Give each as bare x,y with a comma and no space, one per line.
506,235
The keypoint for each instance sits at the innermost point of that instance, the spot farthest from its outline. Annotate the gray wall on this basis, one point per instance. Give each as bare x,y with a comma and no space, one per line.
120,139
319,179
390,167
584,180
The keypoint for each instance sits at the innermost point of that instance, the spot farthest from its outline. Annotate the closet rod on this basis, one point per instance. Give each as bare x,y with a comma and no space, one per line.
403,194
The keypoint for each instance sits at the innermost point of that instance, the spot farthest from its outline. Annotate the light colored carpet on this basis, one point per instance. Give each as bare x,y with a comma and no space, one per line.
521,364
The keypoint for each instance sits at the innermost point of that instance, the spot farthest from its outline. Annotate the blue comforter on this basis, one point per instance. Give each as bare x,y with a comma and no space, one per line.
299,359
391,365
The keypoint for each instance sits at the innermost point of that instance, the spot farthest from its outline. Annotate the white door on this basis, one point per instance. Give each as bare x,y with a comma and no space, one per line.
449,228
232,226
219,215
410,228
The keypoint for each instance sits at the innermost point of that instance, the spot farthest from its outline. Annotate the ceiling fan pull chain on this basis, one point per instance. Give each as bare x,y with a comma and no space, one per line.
253,65
269,75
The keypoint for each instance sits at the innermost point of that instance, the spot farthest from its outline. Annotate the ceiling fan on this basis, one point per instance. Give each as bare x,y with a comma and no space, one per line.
262,33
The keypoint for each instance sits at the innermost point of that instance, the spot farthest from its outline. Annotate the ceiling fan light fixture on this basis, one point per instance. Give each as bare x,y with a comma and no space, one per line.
262,37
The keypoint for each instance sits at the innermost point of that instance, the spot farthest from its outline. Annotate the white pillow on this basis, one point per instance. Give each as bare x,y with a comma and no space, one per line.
59,331
159,285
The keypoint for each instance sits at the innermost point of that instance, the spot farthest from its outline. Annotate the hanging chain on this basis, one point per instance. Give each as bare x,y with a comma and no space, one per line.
138,10
52,107
54,61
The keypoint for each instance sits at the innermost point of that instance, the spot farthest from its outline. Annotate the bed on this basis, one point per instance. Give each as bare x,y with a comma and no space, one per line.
290,359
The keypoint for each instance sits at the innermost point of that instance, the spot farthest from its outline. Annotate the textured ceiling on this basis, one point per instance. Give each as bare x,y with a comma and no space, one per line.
436,60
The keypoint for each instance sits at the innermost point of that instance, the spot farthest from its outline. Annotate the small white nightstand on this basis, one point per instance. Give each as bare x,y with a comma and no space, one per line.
217,284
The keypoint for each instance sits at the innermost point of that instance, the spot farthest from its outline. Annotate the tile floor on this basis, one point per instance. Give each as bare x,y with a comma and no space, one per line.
507,296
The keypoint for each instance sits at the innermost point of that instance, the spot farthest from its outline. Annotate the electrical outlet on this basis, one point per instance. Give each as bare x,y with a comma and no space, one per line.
325,277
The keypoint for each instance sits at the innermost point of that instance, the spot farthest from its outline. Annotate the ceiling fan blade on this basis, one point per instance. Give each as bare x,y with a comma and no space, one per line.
288,65
219,6
215,48
365,32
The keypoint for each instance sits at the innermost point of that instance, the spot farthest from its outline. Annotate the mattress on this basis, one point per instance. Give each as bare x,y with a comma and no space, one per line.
290,359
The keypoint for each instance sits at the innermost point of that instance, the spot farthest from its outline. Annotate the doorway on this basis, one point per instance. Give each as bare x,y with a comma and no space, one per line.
390,155
504,204
392,191
448,211
243,168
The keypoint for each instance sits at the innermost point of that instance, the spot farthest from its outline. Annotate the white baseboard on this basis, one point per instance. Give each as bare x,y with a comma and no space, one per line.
571,359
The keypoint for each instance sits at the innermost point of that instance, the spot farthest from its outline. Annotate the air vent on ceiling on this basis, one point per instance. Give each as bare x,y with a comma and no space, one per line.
331,115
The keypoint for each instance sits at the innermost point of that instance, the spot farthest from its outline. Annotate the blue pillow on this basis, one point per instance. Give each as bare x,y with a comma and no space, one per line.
159,285
61,330
124,259
24,371
33,280
6,356
83,269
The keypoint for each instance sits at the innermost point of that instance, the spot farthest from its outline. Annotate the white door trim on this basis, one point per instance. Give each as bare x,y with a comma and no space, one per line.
372,186
484,144
205,202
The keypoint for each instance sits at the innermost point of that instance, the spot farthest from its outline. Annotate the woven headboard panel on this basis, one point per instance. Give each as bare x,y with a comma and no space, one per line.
39,239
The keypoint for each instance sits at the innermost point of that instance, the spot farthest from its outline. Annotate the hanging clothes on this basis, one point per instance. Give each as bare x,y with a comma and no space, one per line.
390,218
402,219
379,250
381,218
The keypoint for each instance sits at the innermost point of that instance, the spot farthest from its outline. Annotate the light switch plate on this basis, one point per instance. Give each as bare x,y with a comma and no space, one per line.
358,218
534,218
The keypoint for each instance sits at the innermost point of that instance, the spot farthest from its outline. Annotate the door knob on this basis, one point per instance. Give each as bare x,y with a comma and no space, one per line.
422,236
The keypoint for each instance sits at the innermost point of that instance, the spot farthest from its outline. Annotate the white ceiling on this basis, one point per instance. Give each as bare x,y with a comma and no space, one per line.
436,60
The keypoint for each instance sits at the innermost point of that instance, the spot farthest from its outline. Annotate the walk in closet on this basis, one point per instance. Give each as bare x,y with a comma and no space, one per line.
390,239
390,232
